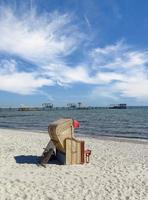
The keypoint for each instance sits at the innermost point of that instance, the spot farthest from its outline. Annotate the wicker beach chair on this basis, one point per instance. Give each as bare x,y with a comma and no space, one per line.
68,149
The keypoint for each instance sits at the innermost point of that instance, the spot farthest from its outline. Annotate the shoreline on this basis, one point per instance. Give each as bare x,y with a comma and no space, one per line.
100,137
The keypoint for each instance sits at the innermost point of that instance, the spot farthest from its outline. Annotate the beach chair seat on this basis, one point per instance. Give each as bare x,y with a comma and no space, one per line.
74,151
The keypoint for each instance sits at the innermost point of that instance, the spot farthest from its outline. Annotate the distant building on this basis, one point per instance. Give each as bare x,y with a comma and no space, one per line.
118,106
71,105
47,105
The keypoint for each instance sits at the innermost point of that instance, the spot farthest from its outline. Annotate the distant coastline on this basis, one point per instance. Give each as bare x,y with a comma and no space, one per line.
48,109
29,108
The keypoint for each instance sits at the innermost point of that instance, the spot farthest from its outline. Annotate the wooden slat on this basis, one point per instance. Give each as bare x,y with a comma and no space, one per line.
68,152
74,151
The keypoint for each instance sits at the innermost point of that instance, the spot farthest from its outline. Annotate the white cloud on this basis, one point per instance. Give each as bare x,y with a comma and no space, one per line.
82,73
22,83
19,82
129,68
40,39
66,75
136,85
118,57
46,41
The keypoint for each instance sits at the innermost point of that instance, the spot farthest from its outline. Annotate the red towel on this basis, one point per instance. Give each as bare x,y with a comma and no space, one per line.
76,124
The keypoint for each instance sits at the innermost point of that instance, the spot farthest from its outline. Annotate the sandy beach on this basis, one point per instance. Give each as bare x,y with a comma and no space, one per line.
118,169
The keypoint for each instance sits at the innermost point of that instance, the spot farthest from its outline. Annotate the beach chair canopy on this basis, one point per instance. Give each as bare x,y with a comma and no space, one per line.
59,131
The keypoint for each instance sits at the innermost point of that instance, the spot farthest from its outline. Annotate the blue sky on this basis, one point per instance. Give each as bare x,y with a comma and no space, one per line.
71,50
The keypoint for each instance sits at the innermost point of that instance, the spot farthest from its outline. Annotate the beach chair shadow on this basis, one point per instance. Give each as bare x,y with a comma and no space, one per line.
30,159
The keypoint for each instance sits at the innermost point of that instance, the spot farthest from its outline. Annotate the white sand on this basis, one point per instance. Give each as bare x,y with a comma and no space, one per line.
118,170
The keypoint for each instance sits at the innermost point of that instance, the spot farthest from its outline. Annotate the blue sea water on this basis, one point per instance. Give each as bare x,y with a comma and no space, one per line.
130,122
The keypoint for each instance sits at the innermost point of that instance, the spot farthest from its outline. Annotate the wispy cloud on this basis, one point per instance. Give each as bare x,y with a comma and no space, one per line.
87,22
38,38
130,68
43,40
46,40
11,80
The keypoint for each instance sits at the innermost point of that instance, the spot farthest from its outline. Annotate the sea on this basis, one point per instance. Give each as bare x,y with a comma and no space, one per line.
130,123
